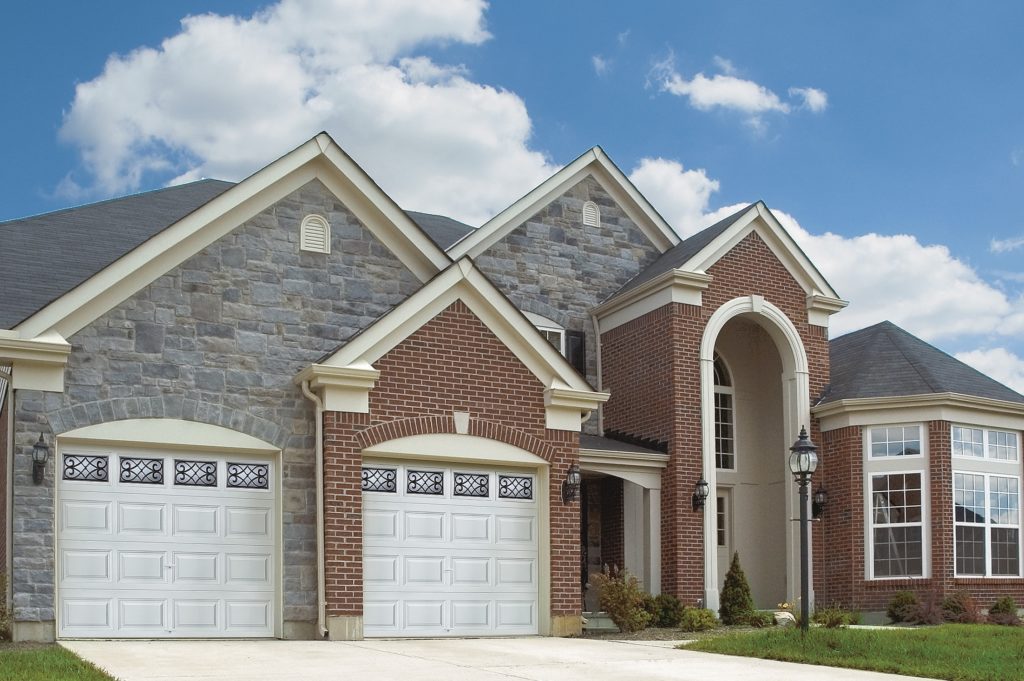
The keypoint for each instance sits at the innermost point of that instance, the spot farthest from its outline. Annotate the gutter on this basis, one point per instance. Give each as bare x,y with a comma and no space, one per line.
318,455
600,381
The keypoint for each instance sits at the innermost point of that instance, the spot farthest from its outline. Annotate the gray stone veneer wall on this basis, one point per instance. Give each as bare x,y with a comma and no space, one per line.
554,266
217,340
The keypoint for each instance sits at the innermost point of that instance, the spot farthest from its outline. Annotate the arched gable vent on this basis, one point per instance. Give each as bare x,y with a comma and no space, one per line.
315,234
591,214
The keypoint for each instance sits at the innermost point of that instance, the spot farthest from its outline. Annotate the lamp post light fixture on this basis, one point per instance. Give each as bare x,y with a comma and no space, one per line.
820,501
571,484
700,493
803,461
40,454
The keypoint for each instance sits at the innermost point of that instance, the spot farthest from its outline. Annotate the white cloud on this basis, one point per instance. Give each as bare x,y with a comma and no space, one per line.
727,90
681,195
814,99
227,93
1005,245
600,64
999,363
623,37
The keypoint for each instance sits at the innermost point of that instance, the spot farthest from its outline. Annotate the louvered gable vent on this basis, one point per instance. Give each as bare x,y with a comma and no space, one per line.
591,214
315,234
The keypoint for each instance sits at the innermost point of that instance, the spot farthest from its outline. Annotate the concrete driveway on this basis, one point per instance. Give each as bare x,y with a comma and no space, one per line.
538,659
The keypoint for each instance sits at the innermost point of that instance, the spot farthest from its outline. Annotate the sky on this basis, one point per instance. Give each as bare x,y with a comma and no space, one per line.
887,137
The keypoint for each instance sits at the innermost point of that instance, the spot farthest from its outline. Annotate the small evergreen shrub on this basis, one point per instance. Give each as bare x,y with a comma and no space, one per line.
736,602
650,606
903,607
668,611
759,619
1004,612
620,595
697,619
929,611
961,607
834,616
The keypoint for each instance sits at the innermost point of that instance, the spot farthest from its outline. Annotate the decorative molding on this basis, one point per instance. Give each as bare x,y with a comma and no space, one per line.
820,308
953,407
674,286
567,409
344,388
37,363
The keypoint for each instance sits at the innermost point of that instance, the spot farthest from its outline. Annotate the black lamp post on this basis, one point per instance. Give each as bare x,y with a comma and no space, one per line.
803,461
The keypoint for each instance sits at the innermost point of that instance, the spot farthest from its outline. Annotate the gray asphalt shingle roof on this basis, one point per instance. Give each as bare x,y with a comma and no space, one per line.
677,256
45,256
885,361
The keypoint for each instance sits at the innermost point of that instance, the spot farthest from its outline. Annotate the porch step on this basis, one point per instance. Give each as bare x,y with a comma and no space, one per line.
598,622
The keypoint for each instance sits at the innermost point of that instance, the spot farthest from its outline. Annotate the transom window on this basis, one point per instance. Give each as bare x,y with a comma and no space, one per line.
725,418
897,545
895,441
979,443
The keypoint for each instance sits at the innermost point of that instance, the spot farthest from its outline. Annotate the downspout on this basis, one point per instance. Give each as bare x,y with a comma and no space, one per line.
597,353
318,455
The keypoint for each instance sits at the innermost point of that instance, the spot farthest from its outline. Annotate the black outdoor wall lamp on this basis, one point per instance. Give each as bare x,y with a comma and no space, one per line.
40,454
571,484
700,493
819,502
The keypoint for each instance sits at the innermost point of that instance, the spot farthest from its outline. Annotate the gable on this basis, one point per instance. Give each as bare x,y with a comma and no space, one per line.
318,159
595,164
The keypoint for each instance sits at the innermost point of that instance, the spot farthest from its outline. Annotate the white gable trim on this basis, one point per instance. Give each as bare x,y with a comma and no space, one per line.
568,397
759,219
320,158
595,163
952,407
36,363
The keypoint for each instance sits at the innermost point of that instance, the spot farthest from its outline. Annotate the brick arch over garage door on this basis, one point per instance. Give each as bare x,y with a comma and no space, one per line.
429,425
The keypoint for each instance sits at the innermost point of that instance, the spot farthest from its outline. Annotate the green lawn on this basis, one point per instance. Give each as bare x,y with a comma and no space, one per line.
958,652
28,662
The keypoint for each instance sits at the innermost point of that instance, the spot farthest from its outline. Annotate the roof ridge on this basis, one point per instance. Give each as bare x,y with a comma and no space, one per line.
897,342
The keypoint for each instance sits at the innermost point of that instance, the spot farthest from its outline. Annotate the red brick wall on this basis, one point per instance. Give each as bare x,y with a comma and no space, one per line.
643,404
612,538
838,538
452,363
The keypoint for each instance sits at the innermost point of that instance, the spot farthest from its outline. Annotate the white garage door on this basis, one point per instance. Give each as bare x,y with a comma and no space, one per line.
155,544
448,551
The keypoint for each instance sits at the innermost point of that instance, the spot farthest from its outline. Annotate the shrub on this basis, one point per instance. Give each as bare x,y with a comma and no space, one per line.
1004,612
903,607
759,619
650,606
697,619
622,598
961,607
669,611
834,616
736,602
929,611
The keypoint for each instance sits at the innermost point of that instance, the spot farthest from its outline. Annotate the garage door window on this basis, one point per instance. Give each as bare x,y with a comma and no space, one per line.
249,475
195,473
515,487
380,480
144,471
85,468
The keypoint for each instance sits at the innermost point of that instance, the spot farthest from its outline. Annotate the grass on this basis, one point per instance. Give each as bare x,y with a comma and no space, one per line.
957,652
35,662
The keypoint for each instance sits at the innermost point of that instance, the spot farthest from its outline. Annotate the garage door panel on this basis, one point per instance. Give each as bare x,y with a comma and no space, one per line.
166,560
431,562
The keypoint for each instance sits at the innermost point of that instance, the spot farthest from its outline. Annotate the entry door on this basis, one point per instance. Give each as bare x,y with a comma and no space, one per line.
723,531
449,551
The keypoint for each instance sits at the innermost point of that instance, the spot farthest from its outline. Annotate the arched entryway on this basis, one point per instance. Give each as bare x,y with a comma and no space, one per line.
761,355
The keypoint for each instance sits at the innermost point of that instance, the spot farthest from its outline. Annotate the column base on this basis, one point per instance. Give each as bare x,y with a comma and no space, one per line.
38,632
566,625
345,628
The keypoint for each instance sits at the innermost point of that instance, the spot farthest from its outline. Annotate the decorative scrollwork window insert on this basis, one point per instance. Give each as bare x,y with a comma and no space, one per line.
144,471
249,475
424,482
471,485
515,487
379,480
195,473
86,468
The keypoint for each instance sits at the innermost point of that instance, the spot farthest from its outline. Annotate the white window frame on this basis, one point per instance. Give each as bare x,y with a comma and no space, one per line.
729,390
896,465
546,326
988,467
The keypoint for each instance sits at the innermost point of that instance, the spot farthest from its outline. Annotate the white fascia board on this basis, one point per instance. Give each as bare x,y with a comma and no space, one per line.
759,219
952,407
317,159
674,286
641,469
820,308
37,363
462,281
385,218
595,163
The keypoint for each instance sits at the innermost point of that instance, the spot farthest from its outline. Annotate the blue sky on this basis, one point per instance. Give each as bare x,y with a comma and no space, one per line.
889,137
